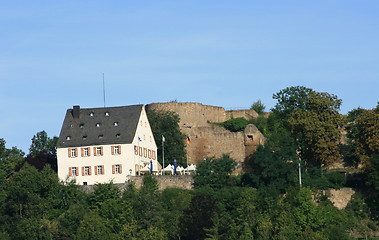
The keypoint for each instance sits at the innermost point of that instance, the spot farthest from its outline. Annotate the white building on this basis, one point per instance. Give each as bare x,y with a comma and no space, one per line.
99,145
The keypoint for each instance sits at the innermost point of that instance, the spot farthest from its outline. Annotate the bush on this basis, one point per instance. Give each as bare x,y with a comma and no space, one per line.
235,124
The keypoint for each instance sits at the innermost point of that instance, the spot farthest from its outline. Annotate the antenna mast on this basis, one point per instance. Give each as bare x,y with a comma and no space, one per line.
104,89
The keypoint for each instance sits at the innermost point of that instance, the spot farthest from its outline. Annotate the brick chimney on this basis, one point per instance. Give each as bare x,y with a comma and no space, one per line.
76,112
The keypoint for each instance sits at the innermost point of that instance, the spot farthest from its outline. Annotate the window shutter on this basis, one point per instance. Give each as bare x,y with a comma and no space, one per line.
82,151
113,169
77,171
89,170
102,166
83,171
95,170
69,152
112,150
119,149
120,168
89,151
144,152
94,151
70,171
135,150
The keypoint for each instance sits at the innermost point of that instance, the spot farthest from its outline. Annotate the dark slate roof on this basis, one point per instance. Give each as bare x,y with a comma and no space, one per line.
82,130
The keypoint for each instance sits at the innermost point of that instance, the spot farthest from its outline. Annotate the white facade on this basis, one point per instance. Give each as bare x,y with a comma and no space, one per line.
116,162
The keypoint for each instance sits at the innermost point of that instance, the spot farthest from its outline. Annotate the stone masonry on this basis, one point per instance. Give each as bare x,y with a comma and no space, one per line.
207,139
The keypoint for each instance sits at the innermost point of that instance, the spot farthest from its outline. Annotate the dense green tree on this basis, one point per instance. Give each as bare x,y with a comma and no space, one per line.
102,193
173,202
367,134
9,159
167,124
42,151
215,172
198,217
267,167
94,227
315,122
42,143
258,106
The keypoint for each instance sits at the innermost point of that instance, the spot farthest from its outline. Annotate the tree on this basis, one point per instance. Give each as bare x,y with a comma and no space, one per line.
94,227
367,134
215,172
258,106
42,151
315,122
198,217
167,124
9,159
291,99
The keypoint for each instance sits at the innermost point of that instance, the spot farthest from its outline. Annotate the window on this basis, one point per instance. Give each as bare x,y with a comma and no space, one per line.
73,171
118,135
68,138
81,125
91,114
97,124
85,183
116,150
86,171
107,114
115,124
117,169
72,152
100,136
99,170
85,152
84,137
98,151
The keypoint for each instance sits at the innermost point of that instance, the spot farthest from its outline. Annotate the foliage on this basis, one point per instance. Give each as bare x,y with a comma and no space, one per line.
314,121
42,151
235,124
167,124
215,172
258,106
367,125
267,167
9,159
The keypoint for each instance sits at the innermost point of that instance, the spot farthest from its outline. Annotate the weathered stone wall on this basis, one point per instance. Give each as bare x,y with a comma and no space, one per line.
214,141
167,181
207,139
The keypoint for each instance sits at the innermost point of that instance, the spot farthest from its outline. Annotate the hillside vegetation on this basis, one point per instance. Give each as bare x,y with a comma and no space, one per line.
264,202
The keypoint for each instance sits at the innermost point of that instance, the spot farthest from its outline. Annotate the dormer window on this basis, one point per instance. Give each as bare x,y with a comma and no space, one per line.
84,137
115,124
91,114
107,114
117,135
68,138
81,125
100,136
97,124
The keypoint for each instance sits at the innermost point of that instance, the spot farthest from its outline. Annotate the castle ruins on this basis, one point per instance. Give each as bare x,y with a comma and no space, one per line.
208,139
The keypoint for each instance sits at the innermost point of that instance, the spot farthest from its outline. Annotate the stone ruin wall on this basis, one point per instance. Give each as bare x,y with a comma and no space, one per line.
208,139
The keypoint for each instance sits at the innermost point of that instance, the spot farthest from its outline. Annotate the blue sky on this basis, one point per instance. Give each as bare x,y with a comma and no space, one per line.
223,53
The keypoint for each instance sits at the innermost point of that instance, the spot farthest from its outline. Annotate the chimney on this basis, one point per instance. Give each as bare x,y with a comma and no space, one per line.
76,112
